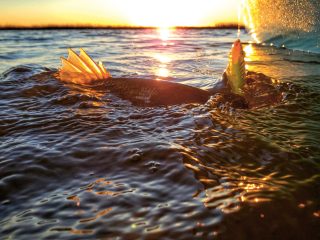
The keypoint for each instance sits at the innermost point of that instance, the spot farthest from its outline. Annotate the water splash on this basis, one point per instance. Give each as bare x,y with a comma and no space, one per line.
284,23
239,19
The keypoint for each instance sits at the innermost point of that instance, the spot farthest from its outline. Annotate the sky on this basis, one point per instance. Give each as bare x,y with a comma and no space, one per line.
158,13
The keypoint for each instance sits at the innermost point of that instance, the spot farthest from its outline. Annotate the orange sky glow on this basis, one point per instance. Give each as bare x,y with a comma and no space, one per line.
155,13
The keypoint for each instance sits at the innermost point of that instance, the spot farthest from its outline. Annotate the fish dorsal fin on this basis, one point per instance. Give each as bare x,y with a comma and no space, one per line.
78,62
68,66
91,64
81,68
71,73
105,73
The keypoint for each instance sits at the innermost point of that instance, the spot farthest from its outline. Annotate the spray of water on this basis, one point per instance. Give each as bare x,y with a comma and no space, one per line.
291,23
239,19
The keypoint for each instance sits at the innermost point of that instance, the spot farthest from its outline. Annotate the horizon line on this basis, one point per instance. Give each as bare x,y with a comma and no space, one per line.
125,27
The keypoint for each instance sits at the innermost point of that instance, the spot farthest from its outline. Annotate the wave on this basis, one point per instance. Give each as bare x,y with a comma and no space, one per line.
284,23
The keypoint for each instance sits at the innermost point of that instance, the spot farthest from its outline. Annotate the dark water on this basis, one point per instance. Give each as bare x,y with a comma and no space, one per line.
79,163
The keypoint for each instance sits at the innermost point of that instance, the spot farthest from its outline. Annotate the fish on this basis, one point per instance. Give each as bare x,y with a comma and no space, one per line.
235,72
81,69
238,88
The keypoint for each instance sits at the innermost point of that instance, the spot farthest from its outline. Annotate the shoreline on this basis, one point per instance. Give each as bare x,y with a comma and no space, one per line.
54,27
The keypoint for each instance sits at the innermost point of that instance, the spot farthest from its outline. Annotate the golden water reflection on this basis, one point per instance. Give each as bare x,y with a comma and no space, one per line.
229,190
163,59
164,33
163,72
268,60
249,50
228,195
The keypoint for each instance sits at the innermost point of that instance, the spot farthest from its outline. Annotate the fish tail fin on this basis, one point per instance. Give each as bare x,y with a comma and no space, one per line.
236,69
81,68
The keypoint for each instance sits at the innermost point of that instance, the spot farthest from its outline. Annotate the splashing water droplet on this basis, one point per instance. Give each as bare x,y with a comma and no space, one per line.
295,24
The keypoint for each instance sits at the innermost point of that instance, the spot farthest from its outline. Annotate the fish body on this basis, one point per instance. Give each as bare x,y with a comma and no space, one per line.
235,72
147,92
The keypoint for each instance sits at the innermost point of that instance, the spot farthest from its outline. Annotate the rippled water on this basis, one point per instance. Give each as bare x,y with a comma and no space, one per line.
78,162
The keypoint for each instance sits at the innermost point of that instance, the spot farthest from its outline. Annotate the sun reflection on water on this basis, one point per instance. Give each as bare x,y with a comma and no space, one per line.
164,33
249,50
231,193
162,58
163,72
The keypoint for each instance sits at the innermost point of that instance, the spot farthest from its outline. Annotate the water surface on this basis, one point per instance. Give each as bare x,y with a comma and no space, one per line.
78,162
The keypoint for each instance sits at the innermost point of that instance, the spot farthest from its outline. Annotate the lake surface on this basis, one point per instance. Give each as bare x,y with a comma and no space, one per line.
77,162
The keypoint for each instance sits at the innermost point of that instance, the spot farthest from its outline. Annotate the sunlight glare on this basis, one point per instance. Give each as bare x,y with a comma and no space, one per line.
162,72
164,33
164,13
162,58
249,50
167,13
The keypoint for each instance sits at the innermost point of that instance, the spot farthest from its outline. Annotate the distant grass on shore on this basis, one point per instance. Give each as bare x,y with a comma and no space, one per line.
57,27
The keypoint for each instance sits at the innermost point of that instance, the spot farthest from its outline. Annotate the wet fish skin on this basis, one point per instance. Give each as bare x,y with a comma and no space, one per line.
147,92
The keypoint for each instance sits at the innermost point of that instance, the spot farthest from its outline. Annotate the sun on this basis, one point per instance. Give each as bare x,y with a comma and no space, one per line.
149,13
164,14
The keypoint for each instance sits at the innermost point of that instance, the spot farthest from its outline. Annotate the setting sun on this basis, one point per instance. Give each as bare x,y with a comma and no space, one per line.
167,13
164,13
